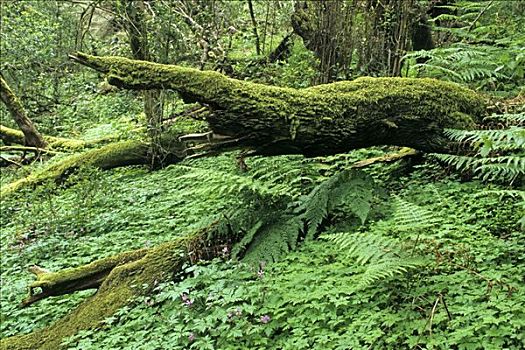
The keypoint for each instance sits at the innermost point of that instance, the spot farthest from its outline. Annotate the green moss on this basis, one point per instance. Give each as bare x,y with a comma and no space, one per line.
107,157
125,281
10,136
13,136
321,120
54,280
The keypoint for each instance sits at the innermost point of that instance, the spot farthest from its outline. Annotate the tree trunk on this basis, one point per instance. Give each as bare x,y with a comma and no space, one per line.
321,120
136,28
31,135
254,27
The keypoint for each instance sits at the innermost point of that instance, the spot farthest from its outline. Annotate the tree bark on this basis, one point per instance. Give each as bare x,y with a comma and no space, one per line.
135,24
321,120
254,27
31,135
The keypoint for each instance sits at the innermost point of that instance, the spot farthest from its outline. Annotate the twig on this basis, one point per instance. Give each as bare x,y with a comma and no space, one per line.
479,16
26,148
432,314
446,307
11,161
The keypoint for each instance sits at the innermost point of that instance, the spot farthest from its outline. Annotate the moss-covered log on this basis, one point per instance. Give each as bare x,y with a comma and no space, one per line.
113,155
12,136
122,278
71,280
320,120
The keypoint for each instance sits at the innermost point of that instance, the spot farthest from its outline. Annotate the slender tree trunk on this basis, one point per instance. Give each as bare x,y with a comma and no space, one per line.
138,38
31,135
254,24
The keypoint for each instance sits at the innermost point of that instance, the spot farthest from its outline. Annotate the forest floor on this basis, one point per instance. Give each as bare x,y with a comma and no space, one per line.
469,293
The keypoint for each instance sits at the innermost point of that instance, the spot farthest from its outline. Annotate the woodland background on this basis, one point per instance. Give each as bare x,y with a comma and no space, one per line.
423,252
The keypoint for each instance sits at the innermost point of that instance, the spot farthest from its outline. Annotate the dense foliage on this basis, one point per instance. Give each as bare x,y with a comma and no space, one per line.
425,252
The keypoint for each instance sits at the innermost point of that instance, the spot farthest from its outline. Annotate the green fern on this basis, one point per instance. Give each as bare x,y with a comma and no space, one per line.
479,66
353,187
499,155
222,183
383,256
275,186
479,52
274,240
304,216
500,140
410,217
505,168
507,119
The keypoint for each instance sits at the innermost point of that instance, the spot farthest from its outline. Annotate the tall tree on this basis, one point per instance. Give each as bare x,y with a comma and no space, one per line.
135,24
31,135
254,26
366,37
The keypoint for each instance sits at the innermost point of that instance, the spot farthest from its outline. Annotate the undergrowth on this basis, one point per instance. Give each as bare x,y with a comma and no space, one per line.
457,285
436,264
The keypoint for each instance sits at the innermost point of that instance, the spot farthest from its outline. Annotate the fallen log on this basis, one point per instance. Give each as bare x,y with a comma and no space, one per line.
120,279
113,155
12,137
75,279
321,120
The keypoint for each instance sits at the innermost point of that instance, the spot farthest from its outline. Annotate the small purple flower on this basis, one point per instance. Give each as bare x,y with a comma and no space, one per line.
265,319
184,297
191,337
188,302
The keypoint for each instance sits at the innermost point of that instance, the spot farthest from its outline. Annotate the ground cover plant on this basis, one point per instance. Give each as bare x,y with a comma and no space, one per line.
202,190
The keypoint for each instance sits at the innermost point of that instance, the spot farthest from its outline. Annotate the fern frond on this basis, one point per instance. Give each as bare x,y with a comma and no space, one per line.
276,237
388,268
516,119
274,171
349,186
409,216
505,168
274,240
383,257
513,168
505,139
221,183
